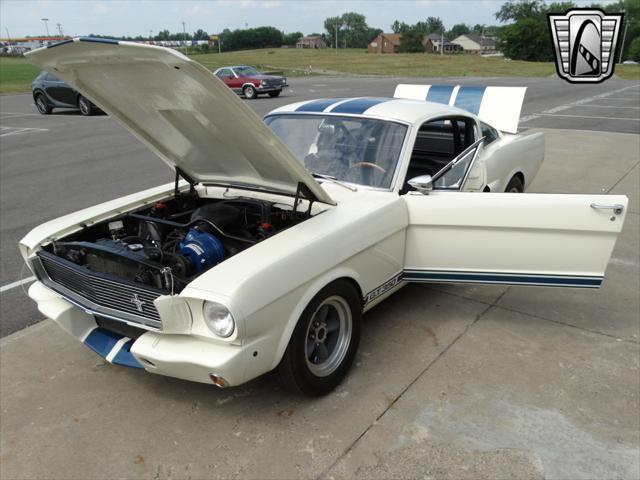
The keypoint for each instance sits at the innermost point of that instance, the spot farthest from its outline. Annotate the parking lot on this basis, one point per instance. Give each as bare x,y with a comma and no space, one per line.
451,381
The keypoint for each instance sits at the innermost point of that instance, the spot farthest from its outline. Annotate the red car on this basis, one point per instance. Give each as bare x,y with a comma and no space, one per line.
247,81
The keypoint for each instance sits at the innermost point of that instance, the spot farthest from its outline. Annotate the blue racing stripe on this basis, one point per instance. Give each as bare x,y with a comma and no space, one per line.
470,98
317,105
508,279
102,341
439,94
125,358
359,105
99,40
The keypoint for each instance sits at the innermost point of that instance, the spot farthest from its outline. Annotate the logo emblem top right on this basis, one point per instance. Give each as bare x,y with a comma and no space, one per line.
585,44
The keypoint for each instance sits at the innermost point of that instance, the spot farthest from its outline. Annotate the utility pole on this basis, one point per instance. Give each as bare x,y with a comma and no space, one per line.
59,29
184,36
151,35
8,36
441,42
624,36
336,37
46,26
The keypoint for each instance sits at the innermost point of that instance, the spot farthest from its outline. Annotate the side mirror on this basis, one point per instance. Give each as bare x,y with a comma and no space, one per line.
423,184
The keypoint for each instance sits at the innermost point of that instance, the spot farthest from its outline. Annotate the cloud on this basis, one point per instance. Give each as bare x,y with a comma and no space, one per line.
197,10
99,9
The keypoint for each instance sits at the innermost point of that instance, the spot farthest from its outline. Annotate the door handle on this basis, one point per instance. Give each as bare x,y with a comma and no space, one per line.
617,208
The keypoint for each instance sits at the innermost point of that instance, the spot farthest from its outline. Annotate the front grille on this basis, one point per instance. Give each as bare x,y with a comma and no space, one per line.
94,291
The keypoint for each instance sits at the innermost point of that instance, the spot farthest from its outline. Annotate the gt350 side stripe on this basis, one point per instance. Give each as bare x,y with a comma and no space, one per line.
502,278
441,276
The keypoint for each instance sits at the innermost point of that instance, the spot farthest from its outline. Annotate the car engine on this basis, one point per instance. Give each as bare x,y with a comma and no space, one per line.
167,245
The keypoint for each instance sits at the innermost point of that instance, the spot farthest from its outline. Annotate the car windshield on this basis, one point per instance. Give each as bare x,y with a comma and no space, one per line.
246,71
364,151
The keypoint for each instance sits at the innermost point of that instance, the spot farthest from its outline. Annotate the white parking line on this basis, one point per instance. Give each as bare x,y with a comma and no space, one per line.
588,116
18,114
604,106
9,286
623,98
567,106
8,131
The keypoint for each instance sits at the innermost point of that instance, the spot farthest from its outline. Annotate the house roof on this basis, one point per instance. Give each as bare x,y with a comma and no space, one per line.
310,37
480,40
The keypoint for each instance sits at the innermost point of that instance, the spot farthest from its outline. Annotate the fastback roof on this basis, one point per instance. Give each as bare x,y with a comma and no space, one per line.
410,111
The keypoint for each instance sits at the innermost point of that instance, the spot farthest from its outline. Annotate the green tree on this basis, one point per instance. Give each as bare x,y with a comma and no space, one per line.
457,30
634,50
434,25
332,24
200,35
527,38
411,41
291,38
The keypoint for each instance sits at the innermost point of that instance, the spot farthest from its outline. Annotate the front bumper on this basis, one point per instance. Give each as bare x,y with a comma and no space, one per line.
271,88
187,357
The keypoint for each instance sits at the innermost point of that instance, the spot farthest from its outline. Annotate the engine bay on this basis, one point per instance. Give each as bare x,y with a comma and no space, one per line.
168,244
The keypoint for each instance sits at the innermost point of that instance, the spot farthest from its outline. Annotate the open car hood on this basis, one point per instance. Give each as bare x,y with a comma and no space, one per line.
181,111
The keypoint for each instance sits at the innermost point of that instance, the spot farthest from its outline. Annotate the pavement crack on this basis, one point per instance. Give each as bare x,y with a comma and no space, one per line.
623,176
409,385
538,317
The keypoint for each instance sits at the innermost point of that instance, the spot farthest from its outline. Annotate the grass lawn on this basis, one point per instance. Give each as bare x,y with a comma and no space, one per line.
16,74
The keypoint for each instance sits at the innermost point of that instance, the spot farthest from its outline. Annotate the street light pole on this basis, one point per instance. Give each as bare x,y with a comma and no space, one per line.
46,26
184,36
624,36
59,28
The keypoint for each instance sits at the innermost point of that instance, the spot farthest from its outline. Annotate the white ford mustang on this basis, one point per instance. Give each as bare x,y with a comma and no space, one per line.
252,262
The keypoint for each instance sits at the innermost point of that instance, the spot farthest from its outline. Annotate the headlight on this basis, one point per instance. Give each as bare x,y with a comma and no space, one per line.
218,319
262,83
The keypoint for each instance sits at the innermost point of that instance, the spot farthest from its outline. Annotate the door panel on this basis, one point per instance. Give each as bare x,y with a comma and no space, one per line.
61,92
508,238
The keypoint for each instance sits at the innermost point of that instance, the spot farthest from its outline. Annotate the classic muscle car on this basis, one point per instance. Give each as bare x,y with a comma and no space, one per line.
253,261
447,122
247,81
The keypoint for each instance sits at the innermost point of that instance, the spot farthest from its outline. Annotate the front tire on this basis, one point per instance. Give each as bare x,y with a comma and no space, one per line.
515,185
324,342
42,104
275,94
249,92
85,106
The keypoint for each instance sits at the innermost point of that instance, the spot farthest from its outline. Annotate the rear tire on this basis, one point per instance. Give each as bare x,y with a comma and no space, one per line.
515,185
275,94
42,104
249,92
324,342
85,106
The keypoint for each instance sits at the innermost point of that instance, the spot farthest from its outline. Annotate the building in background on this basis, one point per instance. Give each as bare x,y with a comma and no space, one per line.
433,44
476,43
314,41
385,43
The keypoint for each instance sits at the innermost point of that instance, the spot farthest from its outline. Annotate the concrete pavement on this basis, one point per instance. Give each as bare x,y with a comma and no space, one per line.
450,382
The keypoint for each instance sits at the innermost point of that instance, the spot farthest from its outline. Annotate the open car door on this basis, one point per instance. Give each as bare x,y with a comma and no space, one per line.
508,238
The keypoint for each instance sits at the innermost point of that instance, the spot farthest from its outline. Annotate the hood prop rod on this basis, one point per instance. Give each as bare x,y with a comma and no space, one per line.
191,181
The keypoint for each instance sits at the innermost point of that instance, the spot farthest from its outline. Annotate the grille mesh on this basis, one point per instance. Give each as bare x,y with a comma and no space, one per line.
101,291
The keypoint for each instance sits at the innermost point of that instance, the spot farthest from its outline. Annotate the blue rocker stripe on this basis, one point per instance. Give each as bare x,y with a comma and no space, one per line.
102,342
470,98
439,94
510,279
359,105
317,105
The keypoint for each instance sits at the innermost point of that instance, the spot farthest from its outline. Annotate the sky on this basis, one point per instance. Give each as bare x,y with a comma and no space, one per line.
131,18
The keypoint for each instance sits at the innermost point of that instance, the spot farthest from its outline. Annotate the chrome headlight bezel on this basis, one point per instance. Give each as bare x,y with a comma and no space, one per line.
218,319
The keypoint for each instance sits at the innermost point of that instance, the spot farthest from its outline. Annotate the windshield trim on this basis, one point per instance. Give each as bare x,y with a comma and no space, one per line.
401,155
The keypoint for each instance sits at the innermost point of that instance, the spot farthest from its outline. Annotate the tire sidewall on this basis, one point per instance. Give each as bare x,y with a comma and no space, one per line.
88,110
295,356
252,92
515,182
41,98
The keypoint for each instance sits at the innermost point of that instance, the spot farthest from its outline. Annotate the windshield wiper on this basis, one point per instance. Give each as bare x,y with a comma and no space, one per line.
333,180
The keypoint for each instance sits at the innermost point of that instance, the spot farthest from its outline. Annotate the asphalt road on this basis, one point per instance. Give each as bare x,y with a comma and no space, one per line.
53,165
